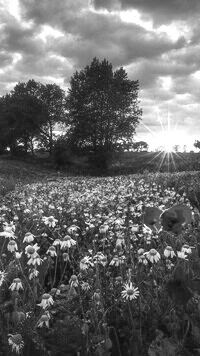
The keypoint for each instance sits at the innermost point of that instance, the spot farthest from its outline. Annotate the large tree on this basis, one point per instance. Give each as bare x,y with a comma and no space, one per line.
103,108
52,98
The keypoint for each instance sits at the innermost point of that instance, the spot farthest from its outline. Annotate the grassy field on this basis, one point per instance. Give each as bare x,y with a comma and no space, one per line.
138,162
93,266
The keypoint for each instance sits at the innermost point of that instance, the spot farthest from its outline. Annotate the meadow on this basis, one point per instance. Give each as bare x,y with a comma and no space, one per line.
92,266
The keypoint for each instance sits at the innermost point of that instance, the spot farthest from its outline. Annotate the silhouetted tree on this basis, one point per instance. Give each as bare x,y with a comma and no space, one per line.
140,146
197,144
102,109
20,119
52,98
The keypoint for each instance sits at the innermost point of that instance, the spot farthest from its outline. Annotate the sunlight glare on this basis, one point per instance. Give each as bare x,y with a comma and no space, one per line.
170,138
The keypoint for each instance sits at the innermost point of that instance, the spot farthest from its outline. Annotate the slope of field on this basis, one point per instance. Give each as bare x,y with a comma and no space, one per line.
138,162
15,171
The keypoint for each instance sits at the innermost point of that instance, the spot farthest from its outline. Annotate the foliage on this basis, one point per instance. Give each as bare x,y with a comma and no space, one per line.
20,119
30,112
197,144
102,107
140,146
88,267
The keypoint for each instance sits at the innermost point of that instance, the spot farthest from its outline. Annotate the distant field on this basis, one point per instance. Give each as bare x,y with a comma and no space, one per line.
138,162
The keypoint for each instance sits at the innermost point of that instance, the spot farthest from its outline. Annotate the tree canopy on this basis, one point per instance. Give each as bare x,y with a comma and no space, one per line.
103,107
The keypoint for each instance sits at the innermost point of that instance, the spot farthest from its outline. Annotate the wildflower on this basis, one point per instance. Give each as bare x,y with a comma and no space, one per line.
169,252
65,256
135,228
187,249
31,250
35,259
130,292
73,281
27,211
16,342
7,234
118,279
18,255
152,255
67,242
9,227
12,246
33,273
117,260
46,301
140,251
49,221
100,258
55,291
182,255
120,242
72,229
85,286
169,264
3,275
57,242
28,237
146,230
103,229
97,297
52,251
142,259
85,263
16,284
44,320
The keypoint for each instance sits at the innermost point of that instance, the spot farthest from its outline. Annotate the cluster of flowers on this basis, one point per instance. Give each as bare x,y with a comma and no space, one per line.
98,217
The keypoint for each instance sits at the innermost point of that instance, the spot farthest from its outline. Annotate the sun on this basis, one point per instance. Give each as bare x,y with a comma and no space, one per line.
169,139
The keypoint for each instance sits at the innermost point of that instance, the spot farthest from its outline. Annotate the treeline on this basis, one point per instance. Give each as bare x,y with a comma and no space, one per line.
99,115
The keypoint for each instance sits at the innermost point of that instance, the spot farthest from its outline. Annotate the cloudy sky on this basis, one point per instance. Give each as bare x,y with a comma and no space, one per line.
157,42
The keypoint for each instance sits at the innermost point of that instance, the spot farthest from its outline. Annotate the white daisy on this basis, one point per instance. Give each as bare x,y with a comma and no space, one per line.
44,320
49,221
130,292
16,284
46,301
86,262
187,249
169,252
28,237
12,246
152,255
52,251
16,342
67,242
73,281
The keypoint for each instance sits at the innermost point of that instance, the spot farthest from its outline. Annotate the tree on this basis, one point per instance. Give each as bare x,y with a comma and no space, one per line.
52,98
176,148
20,119
140,146
102,108
197,144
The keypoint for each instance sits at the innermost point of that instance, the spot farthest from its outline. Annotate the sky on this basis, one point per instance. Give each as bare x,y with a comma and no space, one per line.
157,42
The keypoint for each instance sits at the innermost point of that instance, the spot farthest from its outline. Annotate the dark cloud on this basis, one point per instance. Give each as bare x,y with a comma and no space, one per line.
160,11
56,13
